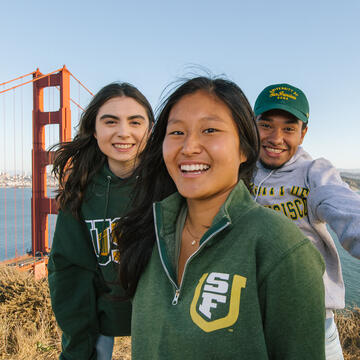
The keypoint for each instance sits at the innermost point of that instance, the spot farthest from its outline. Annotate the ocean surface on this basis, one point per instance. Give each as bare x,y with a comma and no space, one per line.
17,233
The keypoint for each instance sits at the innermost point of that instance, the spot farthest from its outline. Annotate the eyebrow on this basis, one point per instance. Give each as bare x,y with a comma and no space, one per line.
206,118
132,117
174,121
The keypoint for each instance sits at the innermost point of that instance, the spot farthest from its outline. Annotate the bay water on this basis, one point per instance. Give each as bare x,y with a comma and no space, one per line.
15,237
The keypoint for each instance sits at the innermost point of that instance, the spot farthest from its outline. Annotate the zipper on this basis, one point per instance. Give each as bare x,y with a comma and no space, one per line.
176,297
178,288
161,259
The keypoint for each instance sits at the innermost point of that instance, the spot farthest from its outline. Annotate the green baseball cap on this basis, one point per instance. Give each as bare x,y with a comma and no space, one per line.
284,97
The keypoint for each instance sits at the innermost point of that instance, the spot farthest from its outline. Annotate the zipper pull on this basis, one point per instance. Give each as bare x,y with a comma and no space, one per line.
176,297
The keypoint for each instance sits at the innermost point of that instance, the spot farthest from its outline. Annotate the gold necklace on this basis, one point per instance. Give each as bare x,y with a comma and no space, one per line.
195,238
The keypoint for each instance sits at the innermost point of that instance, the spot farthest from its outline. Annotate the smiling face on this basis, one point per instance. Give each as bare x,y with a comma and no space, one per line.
201,148
280,137
121,131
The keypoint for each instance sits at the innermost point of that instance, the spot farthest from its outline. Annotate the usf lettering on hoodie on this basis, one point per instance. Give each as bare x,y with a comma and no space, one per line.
311,193
83,268
253,290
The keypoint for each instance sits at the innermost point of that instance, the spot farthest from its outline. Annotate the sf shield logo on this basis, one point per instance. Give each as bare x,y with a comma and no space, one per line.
216,301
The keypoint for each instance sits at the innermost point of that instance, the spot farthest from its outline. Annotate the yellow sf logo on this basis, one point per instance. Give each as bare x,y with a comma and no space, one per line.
213,293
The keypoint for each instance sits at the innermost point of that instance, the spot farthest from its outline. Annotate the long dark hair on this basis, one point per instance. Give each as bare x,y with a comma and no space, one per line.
77,161
135,231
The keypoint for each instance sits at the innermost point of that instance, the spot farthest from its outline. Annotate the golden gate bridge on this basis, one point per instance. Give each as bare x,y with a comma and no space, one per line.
52,106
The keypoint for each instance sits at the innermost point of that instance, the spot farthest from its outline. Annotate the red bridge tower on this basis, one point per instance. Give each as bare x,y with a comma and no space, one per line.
41,204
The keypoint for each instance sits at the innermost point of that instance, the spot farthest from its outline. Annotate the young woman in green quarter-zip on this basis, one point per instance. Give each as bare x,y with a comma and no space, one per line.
96,180
212,274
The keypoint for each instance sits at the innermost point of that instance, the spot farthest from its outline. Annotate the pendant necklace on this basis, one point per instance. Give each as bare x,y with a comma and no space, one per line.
195,238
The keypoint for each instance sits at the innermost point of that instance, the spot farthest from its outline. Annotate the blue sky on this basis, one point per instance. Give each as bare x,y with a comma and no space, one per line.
312,45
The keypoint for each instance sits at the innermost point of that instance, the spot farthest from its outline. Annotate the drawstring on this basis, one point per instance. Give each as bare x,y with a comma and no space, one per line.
105,212
107,196
259,186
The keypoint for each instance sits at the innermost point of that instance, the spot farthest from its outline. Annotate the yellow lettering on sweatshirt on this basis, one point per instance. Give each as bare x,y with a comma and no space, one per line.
101,231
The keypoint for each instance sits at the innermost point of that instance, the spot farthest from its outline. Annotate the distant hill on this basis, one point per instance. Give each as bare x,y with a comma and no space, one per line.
352,178
350,171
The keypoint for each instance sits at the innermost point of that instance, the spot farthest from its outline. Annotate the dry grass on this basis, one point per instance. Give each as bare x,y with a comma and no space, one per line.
28,329
348,323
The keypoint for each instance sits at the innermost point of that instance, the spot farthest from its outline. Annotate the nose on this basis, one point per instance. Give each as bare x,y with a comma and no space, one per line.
275,137
122,129
191,145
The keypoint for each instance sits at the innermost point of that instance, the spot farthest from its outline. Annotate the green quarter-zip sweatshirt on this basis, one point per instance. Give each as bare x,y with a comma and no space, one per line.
253,289
83,269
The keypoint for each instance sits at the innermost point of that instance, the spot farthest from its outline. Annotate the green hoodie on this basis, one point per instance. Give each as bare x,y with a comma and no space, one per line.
253,289
83,265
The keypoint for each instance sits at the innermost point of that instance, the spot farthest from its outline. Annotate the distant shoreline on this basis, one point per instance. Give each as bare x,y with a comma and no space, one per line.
23,187
354,185
23,182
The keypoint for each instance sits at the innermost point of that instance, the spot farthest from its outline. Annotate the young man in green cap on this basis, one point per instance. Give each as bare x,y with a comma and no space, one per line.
309,192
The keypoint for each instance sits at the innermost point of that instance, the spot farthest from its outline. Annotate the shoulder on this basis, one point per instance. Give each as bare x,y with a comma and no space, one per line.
279,241
321,172
68,228
274,231
321,164
274,224
65,217
71,243
268,229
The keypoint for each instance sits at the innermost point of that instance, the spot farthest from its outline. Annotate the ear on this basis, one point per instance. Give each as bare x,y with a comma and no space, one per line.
243,158
303,133
95,135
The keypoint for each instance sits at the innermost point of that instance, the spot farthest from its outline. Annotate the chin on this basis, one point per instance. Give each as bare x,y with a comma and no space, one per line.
271,166
192,194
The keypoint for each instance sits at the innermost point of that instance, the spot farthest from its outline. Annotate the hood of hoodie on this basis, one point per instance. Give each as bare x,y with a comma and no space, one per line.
106,184
103,176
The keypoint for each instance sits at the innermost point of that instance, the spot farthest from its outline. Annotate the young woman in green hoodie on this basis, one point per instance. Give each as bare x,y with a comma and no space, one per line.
212,274
95,173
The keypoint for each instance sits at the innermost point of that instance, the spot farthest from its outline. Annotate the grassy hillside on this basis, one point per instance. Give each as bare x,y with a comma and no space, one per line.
28,329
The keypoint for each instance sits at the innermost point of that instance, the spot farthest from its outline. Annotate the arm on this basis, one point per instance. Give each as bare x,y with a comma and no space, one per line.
332,201
292,301
72,283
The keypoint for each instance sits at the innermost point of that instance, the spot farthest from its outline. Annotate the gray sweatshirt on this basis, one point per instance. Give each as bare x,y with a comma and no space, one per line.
311,193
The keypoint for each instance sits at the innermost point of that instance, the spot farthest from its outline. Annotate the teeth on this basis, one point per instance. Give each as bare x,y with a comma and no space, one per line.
123,146
194,167
276,151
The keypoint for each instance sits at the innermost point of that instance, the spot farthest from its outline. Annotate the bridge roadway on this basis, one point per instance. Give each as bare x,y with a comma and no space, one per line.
34,264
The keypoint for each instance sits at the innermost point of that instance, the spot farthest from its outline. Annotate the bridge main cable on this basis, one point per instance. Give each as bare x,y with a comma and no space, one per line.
18,78
30,81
